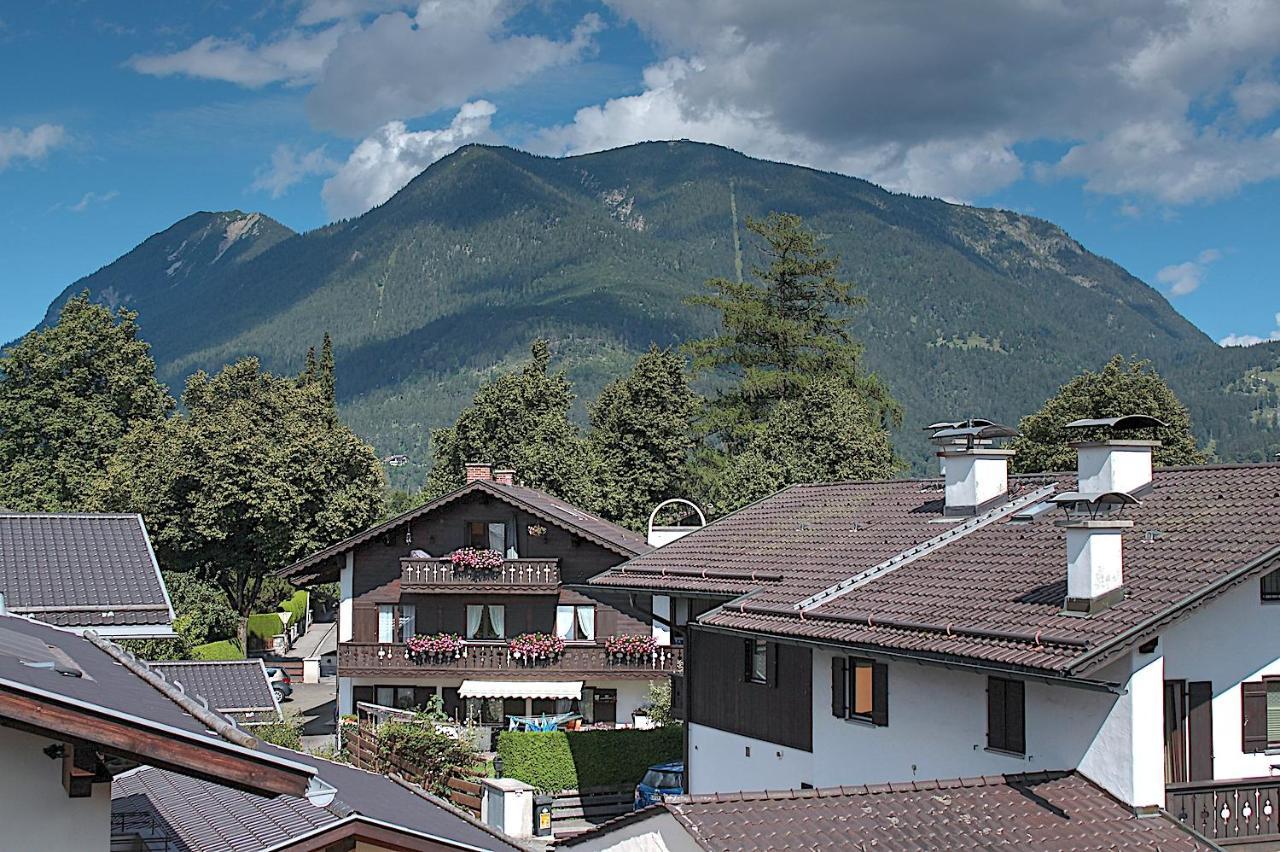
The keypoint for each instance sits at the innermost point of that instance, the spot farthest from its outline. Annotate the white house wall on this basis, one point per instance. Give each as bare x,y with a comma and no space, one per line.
35,811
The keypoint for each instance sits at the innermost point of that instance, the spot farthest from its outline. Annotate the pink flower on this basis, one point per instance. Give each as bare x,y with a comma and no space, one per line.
630,646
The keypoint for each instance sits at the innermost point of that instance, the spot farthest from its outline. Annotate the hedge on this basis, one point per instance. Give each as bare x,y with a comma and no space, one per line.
577,760
262,627
226,649
296,606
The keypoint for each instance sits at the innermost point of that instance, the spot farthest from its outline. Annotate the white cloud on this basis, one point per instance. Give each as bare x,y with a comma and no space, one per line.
91,198
290,166
1184,278
390,158
34,144
400,67
295,58
323,11
1251,339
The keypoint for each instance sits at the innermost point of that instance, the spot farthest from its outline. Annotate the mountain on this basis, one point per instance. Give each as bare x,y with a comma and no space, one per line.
970,311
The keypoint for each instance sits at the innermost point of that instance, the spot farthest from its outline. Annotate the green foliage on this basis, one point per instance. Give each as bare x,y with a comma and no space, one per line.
200,607
68,395
520,419
642,437
286,733
261,627
659,703
576,760
225,649
1120,387
398,501
296,606
432,754
160,650
257,472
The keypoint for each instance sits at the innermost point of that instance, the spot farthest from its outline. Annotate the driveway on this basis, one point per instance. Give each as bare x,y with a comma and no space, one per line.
316,704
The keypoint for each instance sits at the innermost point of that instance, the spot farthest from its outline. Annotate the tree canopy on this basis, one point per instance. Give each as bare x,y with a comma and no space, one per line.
641,437
257,472
1121,387
68,395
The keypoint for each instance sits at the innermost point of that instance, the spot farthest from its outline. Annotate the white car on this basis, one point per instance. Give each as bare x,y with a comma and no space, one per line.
281,685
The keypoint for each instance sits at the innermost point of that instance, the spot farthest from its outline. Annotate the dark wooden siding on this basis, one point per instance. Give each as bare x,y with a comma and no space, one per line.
780,711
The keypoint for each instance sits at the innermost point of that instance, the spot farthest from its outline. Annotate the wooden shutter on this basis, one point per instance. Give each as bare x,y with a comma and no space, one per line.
839,688
1015,722
1200,730
772,654
996,733
1253,716
879,694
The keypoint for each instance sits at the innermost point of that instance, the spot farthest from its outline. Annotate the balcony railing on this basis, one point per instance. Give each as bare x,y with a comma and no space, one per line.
1241,810
494,659
439,575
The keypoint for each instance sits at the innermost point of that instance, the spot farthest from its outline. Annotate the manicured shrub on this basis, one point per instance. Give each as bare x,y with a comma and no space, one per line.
296,606
262,626
576,760
227,649
286,733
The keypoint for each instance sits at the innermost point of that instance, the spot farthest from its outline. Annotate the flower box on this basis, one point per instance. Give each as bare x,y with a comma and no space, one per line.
471,559
632,646
536,647
435,648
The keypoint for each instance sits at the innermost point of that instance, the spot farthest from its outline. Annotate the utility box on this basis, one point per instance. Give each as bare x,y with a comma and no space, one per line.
507,805
542,816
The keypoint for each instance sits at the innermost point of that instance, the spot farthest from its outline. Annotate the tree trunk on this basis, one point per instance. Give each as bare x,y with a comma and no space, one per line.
242,634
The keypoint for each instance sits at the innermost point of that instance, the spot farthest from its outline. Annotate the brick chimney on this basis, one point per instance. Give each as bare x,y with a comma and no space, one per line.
504,475
478,471
975,471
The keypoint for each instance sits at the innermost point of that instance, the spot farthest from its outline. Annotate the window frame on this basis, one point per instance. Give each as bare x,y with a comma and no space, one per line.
574,632
1272,596
755,664
844,690
486,616
1003,690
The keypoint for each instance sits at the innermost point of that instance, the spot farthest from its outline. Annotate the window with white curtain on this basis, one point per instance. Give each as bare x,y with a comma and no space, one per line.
408,621
576,623
492,535
486,621
386,623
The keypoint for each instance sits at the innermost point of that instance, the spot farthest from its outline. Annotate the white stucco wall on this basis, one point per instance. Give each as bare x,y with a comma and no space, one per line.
1232,639
346,588
35,811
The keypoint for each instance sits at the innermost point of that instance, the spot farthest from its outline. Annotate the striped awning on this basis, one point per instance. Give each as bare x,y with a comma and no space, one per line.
520,689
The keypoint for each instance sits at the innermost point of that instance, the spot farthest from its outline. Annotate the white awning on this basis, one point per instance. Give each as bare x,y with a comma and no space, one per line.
520,689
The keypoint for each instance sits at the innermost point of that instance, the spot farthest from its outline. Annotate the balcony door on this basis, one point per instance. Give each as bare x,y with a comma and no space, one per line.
1188,731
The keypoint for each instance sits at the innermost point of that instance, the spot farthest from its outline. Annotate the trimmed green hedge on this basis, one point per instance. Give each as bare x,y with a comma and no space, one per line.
296,606
226,649
576,760
262,626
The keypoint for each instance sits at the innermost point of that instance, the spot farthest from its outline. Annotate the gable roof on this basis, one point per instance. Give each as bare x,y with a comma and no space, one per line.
237,688
84,570
550,509
1046,810
992,591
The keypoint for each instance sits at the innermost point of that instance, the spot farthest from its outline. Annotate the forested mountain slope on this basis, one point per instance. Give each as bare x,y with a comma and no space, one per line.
970,311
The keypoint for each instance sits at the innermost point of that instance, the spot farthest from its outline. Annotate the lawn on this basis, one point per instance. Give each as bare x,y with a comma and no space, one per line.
226,649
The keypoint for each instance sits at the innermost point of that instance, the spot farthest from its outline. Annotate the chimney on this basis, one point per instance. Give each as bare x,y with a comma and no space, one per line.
478,471
660,534
504,475
975,471
1095,553
1114,461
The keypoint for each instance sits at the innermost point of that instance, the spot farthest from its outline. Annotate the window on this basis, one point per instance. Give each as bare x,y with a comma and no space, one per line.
386,623
486,621
576,623
1271,586
396,623
756,665
489,535
860,690
1260,715
1006,715
408,621
403,697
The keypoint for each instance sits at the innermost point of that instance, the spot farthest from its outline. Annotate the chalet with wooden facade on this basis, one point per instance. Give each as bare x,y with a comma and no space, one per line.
1115,621
480,597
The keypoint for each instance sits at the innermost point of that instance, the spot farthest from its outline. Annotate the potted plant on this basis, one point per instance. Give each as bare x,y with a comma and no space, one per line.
536,647
472,559
437,647
630,646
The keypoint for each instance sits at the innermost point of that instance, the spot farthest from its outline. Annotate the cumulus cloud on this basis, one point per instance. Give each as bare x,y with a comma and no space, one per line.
1251,339
290,166
91,198
294,58
34,144
400,66
1184,278
394,155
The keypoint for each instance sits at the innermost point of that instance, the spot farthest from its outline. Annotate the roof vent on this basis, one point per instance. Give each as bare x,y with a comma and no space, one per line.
975,470
1111,456
1095,525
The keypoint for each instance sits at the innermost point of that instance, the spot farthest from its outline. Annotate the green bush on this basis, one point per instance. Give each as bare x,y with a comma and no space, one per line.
286,733
577,760
296,606
227,649
262,626
428,755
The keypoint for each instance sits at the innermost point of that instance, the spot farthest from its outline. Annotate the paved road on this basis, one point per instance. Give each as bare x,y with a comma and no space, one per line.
316,703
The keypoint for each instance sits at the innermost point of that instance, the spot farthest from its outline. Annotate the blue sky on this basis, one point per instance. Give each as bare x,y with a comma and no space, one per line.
1153,137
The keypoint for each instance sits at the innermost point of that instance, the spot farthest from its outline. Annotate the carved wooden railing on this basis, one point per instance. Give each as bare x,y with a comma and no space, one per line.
355,658
1239,810
440,575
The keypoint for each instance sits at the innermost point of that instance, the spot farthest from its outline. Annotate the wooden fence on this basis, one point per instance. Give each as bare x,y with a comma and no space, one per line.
576,811
361,742
1245,810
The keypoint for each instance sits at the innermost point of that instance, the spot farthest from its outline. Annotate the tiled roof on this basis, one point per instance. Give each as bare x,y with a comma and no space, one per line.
81,570
231,687
994,594
1052,810
552,509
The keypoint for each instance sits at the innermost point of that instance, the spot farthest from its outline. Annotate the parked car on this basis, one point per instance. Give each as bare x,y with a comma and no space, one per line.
280,682
662,779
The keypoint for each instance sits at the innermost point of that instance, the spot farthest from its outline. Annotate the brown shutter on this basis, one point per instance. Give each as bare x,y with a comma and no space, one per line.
879,694
606,622
1015,702
774,666
1200,729
996,733
1253,716
839,688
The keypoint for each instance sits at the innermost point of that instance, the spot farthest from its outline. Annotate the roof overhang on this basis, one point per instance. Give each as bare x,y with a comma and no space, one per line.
357,829
520,689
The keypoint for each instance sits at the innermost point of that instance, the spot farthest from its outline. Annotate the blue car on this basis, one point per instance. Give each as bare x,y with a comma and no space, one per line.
663,779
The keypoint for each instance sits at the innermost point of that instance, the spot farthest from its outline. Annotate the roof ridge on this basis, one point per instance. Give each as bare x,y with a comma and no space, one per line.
836,791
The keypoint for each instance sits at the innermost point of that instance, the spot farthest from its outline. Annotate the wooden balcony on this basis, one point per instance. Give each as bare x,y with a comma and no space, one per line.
1235,812
492,660
516,576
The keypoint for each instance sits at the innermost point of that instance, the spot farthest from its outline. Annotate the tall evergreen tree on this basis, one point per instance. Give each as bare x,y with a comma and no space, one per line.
1121,387
256,473
68,394
519,419
642,438
326,372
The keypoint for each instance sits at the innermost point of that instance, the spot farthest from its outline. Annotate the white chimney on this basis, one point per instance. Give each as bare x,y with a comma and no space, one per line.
1095,554
660,535
1114,463
976,474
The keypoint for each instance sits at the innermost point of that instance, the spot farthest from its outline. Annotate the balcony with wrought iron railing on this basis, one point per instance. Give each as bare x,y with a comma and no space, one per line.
495,660
529,576
1232,812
